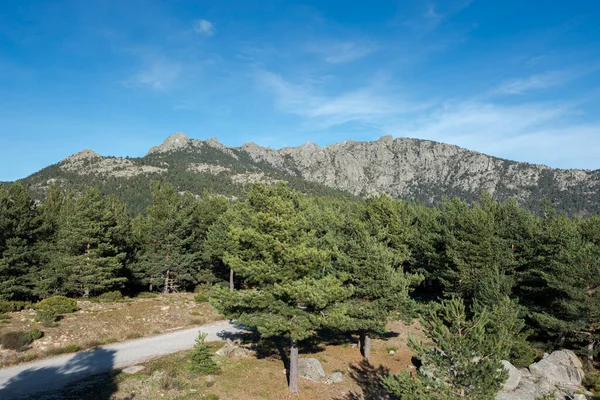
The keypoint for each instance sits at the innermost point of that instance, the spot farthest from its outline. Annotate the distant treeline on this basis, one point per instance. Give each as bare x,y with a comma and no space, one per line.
360,260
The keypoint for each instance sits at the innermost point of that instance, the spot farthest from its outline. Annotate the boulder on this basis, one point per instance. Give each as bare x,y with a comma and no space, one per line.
240,352
514,377
336,377
310,368
562,367
558,375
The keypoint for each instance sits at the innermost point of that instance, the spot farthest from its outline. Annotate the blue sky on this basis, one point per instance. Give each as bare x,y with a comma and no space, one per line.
518,79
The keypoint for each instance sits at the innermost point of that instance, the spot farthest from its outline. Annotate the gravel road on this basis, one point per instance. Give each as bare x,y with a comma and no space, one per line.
50,374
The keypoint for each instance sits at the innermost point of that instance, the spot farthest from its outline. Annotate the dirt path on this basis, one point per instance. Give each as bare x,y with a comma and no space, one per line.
50,374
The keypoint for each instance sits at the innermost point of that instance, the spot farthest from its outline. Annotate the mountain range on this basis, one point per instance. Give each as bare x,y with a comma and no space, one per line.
404,168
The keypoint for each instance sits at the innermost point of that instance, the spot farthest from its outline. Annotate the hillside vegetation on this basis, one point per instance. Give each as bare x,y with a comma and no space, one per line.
408,169
293,266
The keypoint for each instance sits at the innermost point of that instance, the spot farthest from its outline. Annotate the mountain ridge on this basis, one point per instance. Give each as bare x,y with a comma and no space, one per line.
405,168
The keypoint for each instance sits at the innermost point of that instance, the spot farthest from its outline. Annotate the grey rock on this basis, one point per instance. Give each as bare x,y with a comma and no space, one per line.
232,349
174,142
514,377
134,369
561,367
526,391
336,377
310,368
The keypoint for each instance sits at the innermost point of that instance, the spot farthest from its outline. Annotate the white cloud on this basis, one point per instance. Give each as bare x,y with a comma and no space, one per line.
368,104
532,132
204,27
545,80
158,75
540,81
341,52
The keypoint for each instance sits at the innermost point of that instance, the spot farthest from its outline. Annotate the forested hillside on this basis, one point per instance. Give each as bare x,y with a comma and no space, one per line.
408,169
293,265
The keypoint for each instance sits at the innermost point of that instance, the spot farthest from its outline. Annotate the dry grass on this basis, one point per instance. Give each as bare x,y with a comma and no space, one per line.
263,378
102,323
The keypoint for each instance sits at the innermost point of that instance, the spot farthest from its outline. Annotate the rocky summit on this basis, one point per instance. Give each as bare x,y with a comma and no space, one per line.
404,168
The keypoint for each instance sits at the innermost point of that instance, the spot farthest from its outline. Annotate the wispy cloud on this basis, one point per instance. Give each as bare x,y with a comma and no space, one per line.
159,74
341,51
369,104
540,81
545,80
535,132
204,27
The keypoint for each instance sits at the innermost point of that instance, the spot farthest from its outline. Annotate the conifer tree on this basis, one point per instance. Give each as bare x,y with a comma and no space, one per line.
371,248
170,239
461,362
92,245
285,289
19,233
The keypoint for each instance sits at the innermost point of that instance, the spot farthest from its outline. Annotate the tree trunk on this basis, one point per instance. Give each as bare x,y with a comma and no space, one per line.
293,379
231,287
166,288
590,355
365,345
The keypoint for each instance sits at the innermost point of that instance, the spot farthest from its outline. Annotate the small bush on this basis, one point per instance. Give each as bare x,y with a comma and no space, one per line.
108,341
11,306
70,348
15,340
110,297
201,297
201,358
168,380
35,334
212,396
195,313
46,317
60,305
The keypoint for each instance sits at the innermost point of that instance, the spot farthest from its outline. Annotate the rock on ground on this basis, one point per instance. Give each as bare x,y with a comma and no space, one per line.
336,377
559,373
310,368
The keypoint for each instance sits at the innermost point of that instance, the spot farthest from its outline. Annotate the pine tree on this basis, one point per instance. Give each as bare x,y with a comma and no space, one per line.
201,361
92,245
559,284
372,248
170,239
461,362
19,233
285,289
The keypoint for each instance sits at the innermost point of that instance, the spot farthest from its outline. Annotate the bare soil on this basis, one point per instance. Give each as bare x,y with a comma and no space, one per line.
102,323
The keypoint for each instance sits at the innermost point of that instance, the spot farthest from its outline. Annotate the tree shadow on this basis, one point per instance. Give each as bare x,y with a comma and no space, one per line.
69,380
368,378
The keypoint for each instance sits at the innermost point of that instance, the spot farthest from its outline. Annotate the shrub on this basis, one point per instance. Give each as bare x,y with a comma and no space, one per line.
110,297
35,334
70,348
200,297
60,305
11,306
201,358
17,340
47,317
212,396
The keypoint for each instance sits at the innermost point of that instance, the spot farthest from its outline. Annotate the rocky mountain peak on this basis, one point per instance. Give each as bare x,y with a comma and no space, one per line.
84,154
174,142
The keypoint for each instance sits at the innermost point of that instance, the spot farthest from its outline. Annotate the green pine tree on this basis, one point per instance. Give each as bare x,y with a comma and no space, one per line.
201,361
285,288
461,362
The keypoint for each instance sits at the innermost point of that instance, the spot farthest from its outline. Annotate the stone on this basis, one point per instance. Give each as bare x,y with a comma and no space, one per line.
392,352
336,377
227,349
134,369
311,368
526,391
562,367
240,352
514,377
